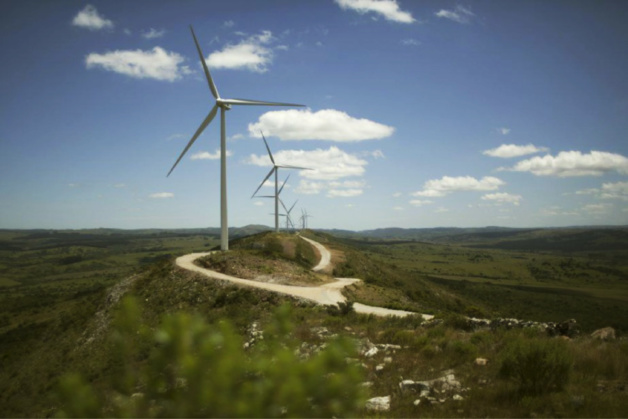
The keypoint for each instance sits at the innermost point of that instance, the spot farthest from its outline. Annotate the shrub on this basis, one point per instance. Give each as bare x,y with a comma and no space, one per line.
537,365
343,308
199,370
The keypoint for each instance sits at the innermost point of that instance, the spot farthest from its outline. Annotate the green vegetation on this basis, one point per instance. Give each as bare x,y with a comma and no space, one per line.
194,369
537,365
70,346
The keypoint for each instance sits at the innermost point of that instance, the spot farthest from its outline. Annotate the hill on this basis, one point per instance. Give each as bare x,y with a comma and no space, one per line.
62,310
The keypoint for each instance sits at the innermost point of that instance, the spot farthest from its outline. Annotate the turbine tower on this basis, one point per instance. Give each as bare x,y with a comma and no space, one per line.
275,170
224,105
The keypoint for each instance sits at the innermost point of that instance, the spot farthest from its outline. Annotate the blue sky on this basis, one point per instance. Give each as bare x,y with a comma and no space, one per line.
419,114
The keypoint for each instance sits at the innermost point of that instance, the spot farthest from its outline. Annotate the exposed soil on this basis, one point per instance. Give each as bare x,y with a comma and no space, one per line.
242,264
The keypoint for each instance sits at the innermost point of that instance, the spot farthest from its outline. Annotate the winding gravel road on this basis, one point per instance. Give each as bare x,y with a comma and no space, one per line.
324,294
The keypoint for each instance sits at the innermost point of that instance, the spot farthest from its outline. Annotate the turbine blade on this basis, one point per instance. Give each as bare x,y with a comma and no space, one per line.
284,206
256,102
200,129
212,86
295,202
268,149
295,167
262,184
283,184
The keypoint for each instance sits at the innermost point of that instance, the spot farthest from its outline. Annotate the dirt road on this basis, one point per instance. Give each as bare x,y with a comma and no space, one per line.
325,294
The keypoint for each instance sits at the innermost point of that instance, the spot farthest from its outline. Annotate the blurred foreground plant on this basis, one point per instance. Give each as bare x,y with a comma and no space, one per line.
188,368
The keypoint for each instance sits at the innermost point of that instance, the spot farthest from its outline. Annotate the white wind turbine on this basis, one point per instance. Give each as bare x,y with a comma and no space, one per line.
224,105
275,170
288,211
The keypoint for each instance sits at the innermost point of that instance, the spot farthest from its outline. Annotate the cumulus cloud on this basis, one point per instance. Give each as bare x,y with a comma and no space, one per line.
503,198
326,124
618,190
330,164
448,184
389,9
153,33
307,187
157,64
503,130
206,155
251,54
89,18
574,163
460,14
161,195
512,150
329,167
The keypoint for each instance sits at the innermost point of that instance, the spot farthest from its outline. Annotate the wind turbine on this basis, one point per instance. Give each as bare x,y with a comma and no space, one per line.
304,217
275,170
224,105
288,211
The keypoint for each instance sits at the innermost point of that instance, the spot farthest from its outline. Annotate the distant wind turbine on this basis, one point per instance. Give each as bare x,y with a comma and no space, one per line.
288,211
275,170
224,105
304,217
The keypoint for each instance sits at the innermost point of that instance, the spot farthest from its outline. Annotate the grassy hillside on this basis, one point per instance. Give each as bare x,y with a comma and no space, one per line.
60,316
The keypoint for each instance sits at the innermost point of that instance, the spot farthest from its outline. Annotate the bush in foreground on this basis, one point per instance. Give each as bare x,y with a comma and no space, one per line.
537,365
191,368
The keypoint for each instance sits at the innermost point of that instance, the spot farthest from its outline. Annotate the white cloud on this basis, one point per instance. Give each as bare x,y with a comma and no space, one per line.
512,150
330,164
307,187
556,211
206,155
618,190
250,54
258,203
161,195
228,24
90,19
441,210
344,193
420,202
378,154
326,124
235,137
397,194
119,185
398,208
597,209
154,33
503,130
389,9
460,14
574,163
503,198
157,64
411,42
448,184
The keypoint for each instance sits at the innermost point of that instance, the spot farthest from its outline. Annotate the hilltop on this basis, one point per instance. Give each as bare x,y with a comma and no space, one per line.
62,302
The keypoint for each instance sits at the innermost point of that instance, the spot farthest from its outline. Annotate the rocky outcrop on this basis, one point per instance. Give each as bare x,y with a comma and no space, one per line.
606,333
378,404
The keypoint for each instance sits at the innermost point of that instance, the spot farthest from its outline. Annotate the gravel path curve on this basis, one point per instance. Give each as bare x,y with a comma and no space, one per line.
324,294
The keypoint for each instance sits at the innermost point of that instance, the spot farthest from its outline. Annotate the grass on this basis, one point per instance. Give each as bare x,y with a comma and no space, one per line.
59,292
